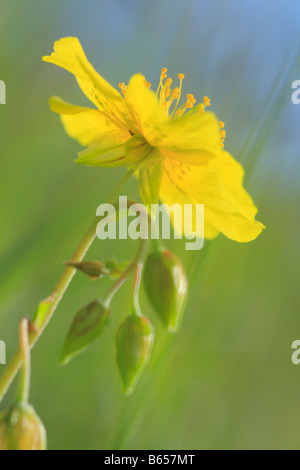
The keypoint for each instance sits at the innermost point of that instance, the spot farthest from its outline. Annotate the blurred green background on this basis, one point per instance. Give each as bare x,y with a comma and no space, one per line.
226,381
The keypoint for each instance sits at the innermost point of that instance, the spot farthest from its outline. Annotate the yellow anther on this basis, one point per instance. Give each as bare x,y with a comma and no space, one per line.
175,93
123,88
181,76
191,98
223,134
189,105
169,82
222,124
148,84
206,101
163,73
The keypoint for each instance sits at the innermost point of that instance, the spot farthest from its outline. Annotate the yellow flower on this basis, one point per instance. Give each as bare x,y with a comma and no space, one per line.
177,150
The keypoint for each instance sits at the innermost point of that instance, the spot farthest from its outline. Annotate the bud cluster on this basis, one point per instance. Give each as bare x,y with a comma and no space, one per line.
166,286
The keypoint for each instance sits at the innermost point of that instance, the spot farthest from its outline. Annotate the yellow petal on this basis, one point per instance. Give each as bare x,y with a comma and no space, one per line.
83,124
171,194
188,157
68,54
219,186
193,132
144,108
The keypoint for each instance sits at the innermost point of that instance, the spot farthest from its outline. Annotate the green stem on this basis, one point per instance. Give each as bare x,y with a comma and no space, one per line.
17,360
24,385
114,289
137,266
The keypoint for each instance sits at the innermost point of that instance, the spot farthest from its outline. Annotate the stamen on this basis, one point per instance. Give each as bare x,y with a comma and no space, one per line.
163,73
167,87
162,76
175,93
191,98
167,95
123,88
165,91
181,77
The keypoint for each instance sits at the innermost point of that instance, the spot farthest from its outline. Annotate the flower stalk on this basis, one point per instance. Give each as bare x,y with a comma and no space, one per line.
136,266
23,393
16,362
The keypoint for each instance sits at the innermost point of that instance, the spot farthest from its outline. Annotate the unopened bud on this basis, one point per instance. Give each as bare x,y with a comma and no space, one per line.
134,345
87,326
22,429
166,285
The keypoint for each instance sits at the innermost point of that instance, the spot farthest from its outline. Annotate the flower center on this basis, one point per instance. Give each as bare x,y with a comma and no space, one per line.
169,98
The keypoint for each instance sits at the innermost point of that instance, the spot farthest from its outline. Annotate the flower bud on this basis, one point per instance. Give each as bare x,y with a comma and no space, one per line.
87,326
134,344
166,285
22,429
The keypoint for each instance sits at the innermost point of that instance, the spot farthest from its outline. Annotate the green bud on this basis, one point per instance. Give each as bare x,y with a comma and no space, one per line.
166,285
87,326
97,270
134,344
94,269
22,429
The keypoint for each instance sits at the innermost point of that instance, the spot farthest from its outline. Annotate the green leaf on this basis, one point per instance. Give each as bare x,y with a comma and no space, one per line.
150,184
87,326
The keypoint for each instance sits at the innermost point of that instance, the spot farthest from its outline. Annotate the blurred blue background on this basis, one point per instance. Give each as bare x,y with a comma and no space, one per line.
226,381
